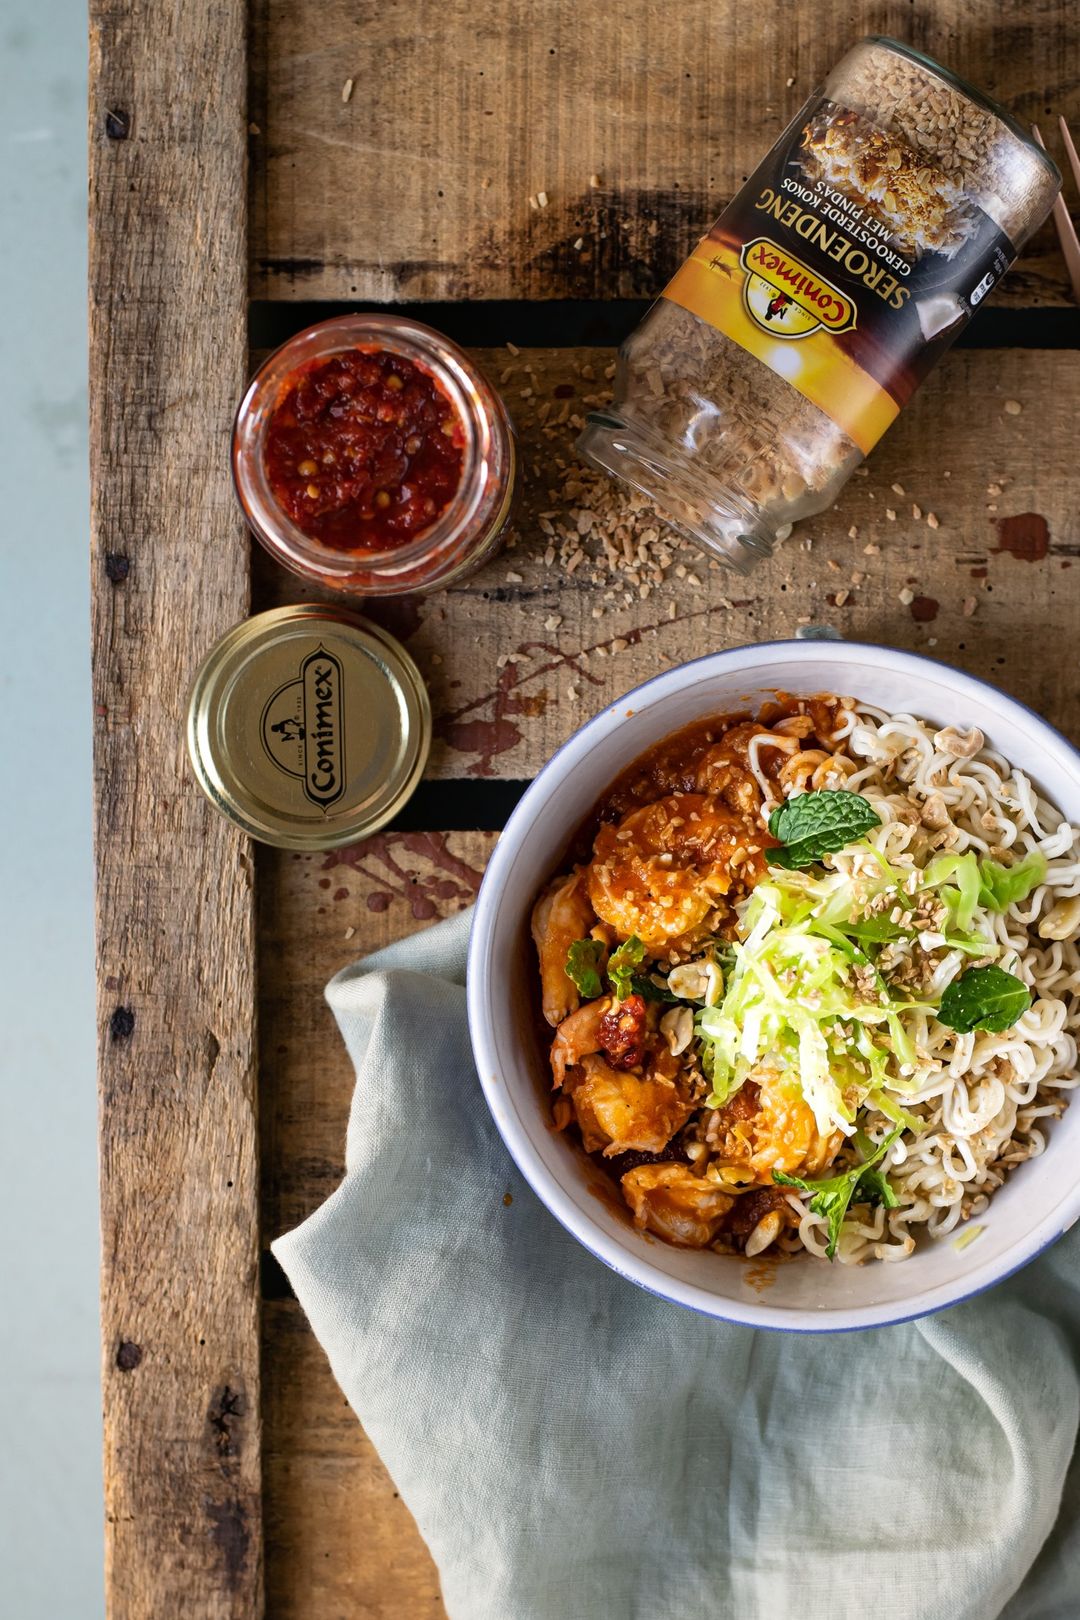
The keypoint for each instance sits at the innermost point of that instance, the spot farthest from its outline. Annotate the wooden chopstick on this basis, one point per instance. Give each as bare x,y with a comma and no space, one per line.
1066,230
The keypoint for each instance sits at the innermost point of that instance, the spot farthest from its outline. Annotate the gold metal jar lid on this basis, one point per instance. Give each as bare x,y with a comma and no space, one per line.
308,727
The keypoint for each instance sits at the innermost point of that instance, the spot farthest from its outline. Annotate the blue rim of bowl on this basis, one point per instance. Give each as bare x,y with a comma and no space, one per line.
537,1175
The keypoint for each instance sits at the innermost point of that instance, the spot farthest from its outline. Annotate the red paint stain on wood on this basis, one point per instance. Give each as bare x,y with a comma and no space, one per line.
484,738
439,883
925,609
496,734
1025,536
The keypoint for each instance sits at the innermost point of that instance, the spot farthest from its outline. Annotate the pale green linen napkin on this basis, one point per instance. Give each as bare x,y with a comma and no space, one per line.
575,1449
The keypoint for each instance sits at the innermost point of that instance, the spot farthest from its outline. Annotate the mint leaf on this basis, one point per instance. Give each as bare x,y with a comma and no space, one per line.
622,964
984,998
583,966
1002,886
815,824
832,1196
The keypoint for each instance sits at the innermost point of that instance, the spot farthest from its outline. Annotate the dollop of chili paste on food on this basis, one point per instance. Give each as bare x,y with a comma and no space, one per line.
363,450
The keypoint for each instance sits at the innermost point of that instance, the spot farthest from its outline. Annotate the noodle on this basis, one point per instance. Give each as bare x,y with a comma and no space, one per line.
979,1096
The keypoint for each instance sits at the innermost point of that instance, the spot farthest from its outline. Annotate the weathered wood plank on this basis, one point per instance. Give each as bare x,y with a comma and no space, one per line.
577,641
317,913
418,186
175,908
338,1538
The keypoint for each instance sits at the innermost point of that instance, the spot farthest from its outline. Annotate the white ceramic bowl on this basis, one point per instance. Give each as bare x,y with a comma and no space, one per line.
1034,1207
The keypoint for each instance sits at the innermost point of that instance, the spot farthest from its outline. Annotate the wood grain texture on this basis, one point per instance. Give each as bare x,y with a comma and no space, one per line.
316,914
339,1541
571,644
418,186
174,903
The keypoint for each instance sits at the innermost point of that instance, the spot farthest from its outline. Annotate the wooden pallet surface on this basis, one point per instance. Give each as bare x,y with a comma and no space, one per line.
419,185
628,128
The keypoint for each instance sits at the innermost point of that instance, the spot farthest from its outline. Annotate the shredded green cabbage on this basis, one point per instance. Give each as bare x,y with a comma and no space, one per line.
805,995
1003,886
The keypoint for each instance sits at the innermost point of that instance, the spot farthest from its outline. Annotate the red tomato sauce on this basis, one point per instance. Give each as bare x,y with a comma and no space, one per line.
363,450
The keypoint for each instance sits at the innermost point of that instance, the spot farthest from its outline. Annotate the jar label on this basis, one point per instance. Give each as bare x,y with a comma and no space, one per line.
847,263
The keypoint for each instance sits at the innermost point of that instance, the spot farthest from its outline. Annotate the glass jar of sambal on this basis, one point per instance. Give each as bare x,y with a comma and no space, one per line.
371,455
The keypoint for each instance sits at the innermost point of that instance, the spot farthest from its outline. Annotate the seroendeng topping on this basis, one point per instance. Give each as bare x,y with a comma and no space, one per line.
805,319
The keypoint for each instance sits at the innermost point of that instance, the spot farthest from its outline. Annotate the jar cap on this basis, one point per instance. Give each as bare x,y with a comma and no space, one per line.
308,727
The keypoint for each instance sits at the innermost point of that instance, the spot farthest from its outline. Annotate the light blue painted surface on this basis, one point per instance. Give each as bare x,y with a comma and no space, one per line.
50,1473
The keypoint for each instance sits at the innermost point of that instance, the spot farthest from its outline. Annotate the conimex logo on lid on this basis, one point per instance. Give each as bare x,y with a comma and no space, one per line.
302,730
785,298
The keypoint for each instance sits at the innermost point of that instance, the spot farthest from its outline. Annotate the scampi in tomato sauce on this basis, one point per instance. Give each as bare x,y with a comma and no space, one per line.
632,937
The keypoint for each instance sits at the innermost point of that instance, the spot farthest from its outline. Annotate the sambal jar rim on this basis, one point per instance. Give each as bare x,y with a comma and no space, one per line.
485,424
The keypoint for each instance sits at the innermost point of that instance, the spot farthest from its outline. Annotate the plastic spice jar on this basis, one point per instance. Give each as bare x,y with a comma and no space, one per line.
370,454
827,289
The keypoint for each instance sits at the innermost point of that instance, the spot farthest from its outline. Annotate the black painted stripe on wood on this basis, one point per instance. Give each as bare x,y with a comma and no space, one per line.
466,804
561,323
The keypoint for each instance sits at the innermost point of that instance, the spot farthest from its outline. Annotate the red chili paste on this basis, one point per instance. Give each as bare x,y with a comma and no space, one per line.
363,450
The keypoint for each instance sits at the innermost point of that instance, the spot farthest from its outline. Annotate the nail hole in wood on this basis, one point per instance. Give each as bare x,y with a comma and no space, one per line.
122,1023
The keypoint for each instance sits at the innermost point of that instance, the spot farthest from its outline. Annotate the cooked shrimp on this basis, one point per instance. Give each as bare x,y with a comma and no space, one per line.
625,1113
561,915
728,767
578,1036
768,1126
665,867
671,1201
